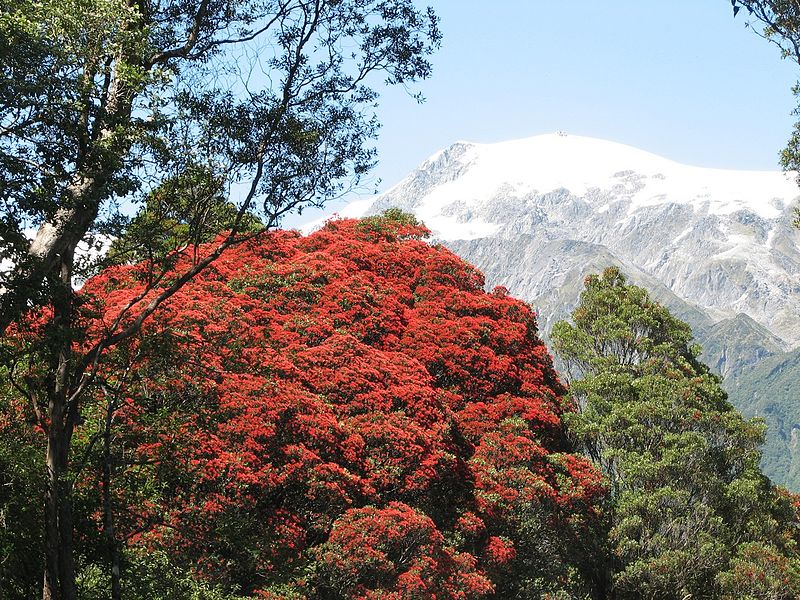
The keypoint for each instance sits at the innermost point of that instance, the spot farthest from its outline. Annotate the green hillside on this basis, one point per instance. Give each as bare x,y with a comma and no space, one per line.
769,390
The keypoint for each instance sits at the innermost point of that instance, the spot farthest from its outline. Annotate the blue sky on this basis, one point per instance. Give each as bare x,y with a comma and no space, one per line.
680,78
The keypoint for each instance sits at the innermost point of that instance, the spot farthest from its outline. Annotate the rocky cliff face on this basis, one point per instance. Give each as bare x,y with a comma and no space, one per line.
537,215
719,240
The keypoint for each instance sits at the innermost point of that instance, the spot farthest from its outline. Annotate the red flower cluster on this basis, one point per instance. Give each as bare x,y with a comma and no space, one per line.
347,415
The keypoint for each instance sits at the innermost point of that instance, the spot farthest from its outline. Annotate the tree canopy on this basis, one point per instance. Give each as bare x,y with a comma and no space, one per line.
184,212
688,505
343,415
104,100
204,113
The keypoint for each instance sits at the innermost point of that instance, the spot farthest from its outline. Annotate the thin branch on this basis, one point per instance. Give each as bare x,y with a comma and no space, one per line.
191,39
30,395
91,359
190,50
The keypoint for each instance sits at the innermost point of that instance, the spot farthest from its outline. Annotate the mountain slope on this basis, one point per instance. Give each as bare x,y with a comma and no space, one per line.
550,273
770,390
538,214
734,345
719,239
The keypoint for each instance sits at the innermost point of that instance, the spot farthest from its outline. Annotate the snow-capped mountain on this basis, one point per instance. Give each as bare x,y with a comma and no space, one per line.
716,246
533,213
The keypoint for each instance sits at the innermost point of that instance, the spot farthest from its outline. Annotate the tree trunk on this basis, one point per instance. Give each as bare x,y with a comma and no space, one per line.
51,586
109,528
59,576
53,246
59,235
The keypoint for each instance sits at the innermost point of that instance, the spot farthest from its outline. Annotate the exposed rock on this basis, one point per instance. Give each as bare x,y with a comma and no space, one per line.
717,247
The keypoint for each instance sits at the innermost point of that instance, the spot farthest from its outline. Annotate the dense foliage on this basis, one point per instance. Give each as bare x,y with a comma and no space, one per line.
343,415
105,100
349,415
202,112
691,515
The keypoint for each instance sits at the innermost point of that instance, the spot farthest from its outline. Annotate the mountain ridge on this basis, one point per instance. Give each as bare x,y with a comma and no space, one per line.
715,246
734,220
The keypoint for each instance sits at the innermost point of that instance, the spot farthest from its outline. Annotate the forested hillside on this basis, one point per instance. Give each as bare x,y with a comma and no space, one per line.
350,415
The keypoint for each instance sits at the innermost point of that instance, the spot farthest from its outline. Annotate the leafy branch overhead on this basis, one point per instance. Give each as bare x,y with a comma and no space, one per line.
105,100
206,116
779,23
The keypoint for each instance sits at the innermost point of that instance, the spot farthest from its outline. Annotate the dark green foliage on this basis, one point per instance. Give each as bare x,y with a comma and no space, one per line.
388,223
151,576
686,490
20,519
770,388
760,571
185,211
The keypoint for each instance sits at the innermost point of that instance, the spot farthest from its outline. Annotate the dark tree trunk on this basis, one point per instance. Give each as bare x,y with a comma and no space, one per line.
109,528
59,576
51,543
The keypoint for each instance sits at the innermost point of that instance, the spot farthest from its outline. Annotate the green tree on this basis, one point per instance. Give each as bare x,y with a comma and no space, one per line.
21,479
778,21
682,464
185,211
104,101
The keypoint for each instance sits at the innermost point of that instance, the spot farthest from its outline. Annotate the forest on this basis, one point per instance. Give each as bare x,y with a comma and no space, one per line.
350,415
195,403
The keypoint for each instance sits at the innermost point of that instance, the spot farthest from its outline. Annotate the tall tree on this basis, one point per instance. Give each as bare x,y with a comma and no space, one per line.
778,21
105,100
686,491
184,212
343,415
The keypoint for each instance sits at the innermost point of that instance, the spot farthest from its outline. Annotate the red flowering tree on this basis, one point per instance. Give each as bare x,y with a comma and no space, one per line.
342,415
393,553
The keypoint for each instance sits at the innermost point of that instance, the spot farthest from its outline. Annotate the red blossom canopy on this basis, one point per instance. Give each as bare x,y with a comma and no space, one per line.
348,415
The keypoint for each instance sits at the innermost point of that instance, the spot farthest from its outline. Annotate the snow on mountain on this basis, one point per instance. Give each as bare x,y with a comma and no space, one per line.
585,165
715,246
719,240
